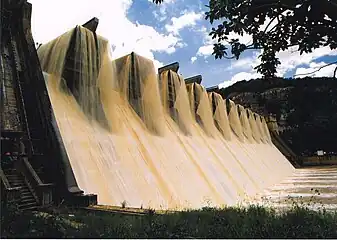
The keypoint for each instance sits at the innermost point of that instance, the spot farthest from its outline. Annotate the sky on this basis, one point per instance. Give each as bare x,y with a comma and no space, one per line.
175,31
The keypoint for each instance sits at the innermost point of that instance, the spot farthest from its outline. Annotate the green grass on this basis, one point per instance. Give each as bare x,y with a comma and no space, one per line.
250,222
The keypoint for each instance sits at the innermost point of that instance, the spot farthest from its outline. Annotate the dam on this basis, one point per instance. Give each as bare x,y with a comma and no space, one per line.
113,131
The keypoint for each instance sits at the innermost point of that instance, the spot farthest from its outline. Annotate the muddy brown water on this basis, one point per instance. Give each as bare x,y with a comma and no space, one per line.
312,187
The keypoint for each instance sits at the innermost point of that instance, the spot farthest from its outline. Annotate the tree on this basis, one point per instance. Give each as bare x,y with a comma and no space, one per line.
274,25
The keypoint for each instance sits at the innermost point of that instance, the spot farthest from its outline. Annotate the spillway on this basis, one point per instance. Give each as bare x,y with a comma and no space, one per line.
152,141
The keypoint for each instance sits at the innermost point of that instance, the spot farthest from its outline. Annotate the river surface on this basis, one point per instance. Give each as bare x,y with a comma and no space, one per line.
313,187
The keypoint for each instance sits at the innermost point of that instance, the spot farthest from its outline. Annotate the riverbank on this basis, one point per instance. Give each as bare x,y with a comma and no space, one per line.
250,222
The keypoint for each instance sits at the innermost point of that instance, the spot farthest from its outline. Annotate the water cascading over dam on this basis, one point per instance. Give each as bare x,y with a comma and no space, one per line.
150,140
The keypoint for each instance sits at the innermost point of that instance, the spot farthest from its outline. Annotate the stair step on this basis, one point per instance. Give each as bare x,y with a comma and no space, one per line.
14,178
27,196
17,184
28,200
16,181
31,201
24,196
24,206
30,208
21,183
25,189
27,192
12,175
27,203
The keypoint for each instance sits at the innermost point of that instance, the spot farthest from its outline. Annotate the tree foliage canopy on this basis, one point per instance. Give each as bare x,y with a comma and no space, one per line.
274,25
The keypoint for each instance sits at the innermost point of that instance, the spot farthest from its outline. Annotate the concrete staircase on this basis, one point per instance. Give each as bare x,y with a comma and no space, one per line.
28,200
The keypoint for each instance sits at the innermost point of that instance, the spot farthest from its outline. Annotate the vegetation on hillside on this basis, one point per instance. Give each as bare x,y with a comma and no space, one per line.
260,85
309,109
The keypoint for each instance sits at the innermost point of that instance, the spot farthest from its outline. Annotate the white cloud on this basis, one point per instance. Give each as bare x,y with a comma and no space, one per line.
245,76
268,24
114,25
290,58
161,15
239,77
226,84
181,44
205,51
265,24
245,63
186,20
246,66
324,72
193,59
245,38
207,38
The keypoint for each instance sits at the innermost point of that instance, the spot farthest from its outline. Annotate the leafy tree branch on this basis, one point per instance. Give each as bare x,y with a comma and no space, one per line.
318,69
307,24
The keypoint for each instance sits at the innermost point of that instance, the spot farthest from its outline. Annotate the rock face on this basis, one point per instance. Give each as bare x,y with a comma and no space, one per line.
305,109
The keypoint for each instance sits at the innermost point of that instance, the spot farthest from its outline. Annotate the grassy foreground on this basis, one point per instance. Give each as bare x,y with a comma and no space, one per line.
251,222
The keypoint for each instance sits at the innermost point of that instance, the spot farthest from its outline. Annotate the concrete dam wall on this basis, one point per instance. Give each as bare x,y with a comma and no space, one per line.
148,139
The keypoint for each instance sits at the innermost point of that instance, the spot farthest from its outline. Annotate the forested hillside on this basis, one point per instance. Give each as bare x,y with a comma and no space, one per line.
306,109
